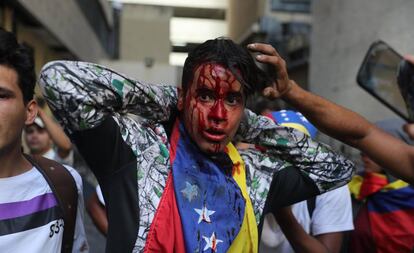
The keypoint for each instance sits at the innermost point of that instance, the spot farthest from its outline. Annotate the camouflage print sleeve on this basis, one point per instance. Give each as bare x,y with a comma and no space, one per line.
83,94
327,169
274,183
259,172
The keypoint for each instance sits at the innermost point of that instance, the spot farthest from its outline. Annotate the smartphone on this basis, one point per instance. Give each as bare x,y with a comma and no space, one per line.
405,79
378,75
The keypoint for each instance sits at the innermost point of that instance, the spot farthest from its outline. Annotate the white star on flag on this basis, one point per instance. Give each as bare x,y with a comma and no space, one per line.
190,192
204,214
211,242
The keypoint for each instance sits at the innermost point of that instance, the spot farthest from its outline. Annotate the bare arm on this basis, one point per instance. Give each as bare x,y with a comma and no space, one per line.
354,130
82,95
339,122
302,241
58,136
332,241
97,213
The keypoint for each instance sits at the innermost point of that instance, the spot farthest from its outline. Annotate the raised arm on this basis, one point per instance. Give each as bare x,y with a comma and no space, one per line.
291,169
287,147
338,121
92,103
82,95
58,136
353,129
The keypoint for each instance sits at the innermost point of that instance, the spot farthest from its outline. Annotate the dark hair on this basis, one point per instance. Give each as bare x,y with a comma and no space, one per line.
232,56
259,104
20,59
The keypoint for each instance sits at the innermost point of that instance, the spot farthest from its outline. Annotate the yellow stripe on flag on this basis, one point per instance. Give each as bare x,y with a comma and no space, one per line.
297,127
247,239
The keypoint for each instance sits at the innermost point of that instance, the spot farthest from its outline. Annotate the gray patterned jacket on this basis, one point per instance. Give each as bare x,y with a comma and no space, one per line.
93,104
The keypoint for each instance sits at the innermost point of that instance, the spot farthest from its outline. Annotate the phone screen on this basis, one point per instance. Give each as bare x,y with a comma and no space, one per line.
378,75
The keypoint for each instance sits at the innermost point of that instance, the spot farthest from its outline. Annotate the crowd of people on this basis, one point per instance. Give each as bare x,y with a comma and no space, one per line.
175,180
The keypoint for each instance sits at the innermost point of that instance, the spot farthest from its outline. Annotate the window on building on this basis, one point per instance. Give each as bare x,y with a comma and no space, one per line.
291,5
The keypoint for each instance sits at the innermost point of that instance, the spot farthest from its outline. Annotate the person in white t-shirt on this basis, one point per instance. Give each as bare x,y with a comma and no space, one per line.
46,137
321,228
30,218
29,207
311,226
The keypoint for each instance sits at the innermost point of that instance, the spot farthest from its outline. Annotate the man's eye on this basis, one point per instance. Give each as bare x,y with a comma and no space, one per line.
205,98
232,100
3,96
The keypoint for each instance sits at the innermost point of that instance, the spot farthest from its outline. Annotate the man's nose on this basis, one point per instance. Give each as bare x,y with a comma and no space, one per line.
218,112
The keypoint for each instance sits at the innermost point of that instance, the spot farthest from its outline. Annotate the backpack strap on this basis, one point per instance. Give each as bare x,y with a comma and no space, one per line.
64,188
311,203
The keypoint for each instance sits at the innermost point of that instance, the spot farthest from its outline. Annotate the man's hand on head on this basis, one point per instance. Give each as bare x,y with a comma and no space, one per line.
282,84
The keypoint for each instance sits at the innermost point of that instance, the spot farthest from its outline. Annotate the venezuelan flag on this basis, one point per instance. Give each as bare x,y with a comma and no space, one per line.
385,223
167,231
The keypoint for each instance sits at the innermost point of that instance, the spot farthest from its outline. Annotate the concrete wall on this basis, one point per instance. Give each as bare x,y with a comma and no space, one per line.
6,18
342,33
43,53
38,39
65,20
241,15
145,33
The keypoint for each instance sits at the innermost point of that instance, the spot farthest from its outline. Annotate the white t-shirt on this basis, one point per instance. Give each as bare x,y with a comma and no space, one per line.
30,219
52,154
75,160
332,213
100,195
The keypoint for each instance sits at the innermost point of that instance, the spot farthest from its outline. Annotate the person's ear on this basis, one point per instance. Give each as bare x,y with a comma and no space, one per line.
31,112
180,102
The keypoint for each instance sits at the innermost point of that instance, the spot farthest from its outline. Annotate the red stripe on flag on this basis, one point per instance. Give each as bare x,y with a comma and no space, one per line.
393,231
372,183
361,237
166,233
175,136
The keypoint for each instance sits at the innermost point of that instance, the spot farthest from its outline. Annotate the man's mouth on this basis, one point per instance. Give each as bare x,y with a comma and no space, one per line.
214,135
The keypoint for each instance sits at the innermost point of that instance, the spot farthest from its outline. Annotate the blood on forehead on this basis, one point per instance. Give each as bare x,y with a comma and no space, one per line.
216,76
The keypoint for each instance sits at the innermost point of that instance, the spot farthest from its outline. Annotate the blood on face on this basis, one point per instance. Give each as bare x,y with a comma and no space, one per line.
213,107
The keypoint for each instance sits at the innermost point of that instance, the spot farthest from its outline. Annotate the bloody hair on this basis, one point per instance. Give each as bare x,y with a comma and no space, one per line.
234,57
